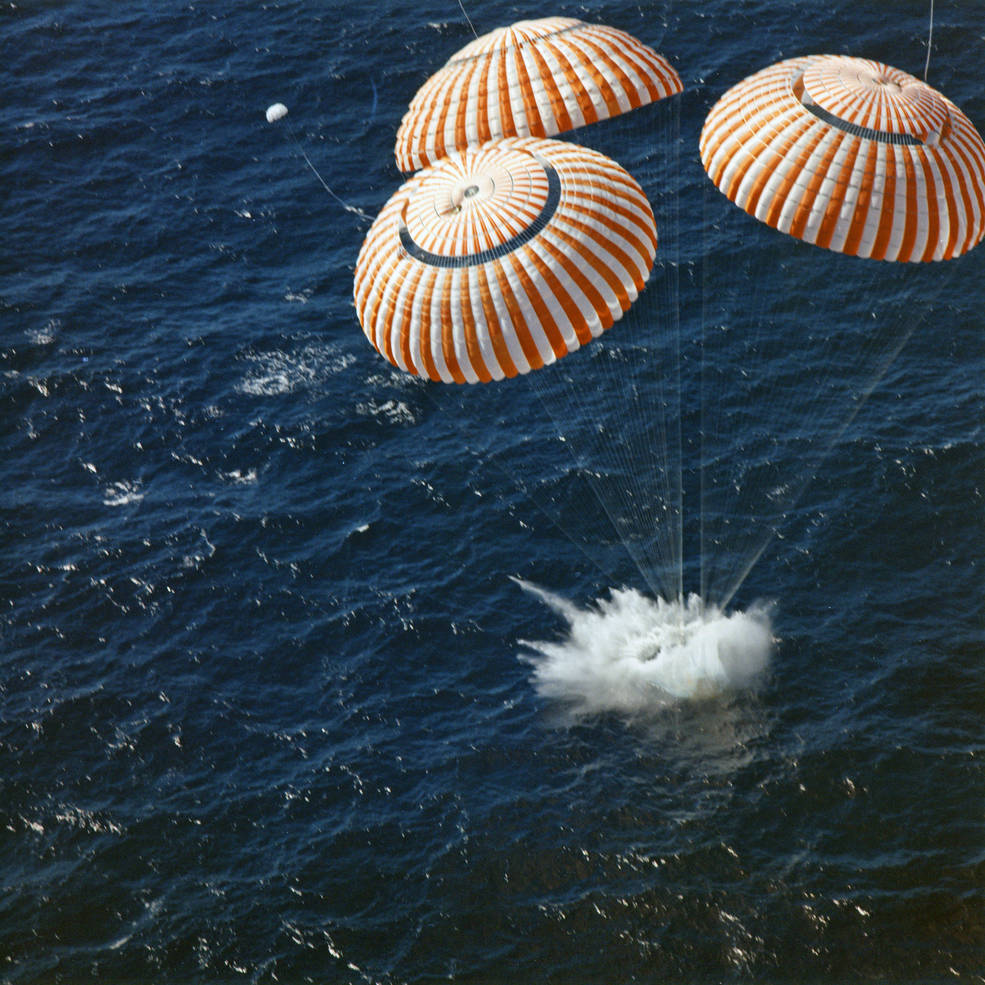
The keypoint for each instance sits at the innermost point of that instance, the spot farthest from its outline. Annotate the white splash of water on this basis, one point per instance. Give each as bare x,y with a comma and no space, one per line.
632,653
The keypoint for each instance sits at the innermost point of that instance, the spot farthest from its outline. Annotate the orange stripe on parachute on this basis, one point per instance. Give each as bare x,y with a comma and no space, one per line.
933,210
810,195
426,341
527,344
562,118
544,317
837,201
912,224
448,333
584,100
887,211
503,356
863,203
560,294
469,333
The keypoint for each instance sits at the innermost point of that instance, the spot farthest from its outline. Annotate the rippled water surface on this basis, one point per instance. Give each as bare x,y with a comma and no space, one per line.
275,704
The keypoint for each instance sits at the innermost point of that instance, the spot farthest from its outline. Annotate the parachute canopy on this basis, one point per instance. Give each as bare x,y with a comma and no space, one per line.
500,260
852,155
535,78
276,112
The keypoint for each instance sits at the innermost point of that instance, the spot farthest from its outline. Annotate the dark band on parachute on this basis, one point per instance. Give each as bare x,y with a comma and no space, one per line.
867,133
514,243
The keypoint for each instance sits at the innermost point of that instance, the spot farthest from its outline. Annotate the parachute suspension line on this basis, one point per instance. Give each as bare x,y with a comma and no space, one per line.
606,435
810,471
441,396
675,313
277,112
702,425
930,38
625,437
550,514
372,110
651,432
593,400
661,408
726,270
469,19
788,406
657,453
597,456
653,449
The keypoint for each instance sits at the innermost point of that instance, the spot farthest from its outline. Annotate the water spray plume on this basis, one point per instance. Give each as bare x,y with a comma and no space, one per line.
632,654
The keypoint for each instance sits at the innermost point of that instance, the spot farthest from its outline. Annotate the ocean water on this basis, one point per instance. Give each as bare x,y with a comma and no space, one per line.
663,665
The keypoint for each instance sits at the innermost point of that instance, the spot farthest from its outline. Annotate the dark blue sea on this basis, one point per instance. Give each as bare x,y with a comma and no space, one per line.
312,672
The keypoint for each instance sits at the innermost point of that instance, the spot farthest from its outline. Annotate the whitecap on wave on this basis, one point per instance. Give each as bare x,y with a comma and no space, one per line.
284,372
122,493
388,411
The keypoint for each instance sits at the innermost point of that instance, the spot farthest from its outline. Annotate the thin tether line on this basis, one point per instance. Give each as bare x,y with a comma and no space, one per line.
469,19
930,38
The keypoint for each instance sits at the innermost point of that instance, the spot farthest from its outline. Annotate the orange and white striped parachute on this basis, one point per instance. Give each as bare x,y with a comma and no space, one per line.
535,78
852,155
502,259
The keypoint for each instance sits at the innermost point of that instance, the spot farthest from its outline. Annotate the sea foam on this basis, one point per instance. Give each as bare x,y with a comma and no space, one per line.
631,653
